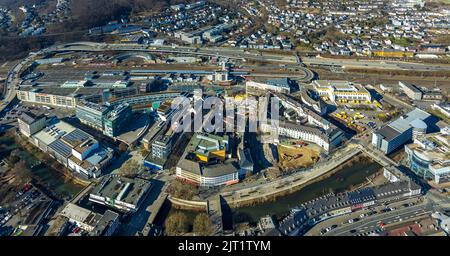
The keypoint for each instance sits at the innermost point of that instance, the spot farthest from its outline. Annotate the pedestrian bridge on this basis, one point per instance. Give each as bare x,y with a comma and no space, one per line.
214,210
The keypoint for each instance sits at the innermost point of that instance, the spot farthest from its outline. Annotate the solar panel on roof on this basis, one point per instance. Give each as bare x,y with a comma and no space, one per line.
61,148
76,135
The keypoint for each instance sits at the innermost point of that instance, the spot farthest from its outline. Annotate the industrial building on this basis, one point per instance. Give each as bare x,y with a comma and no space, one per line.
429,157
336,90
403,129
411,90
282,85
121,193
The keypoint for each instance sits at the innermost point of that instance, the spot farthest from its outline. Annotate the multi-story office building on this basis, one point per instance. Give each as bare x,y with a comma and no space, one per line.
211,175
30,124
428,157
411,90
35,96
398,132
160,149
162,146
117,119
91,114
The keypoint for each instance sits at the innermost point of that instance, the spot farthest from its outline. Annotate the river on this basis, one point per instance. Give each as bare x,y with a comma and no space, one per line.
351,175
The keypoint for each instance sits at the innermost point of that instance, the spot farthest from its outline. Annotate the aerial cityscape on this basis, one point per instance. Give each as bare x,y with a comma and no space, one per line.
244,118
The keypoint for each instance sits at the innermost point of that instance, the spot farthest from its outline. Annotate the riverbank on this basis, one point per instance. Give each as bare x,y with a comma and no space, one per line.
357,172
274,196
347,178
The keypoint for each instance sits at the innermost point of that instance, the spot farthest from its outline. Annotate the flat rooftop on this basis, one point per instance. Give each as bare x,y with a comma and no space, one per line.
77,137
435,147
122,189
410,86
80,214
403,123
340,86
388,132
55,130
29,117
92,106
212,170
204,143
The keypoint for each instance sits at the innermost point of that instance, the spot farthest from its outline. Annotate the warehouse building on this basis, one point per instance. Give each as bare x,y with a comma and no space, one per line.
282,85
400,131
411,90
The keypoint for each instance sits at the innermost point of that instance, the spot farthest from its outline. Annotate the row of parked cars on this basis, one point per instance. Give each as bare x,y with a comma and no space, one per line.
4,216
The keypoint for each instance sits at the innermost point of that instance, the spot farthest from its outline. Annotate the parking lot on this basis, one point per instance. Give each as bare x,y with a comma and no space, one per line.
27,208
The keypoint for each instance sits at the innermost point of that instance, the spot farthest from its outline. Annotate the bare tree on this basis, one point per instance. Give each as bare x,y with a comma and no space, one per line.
203,226
176,224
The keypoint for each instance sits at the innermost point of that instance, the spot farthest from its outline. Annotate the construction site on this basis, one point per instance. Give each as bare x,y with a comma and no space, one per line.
290,157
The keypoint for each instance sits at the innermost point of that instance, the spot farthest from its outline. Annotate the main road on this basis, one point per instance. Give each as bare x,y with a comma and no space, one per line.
12,81
241,54
372,223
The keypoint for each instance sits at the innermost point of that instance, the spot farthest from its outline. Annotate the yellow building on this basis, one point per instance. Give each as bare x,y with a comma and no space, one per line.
391,53
207,147
338,90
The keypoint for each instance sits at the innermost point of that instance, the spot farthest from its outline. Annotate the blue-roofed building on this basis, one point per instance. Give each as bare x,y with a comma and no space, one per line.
93,163
400,131
361,196
129,29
